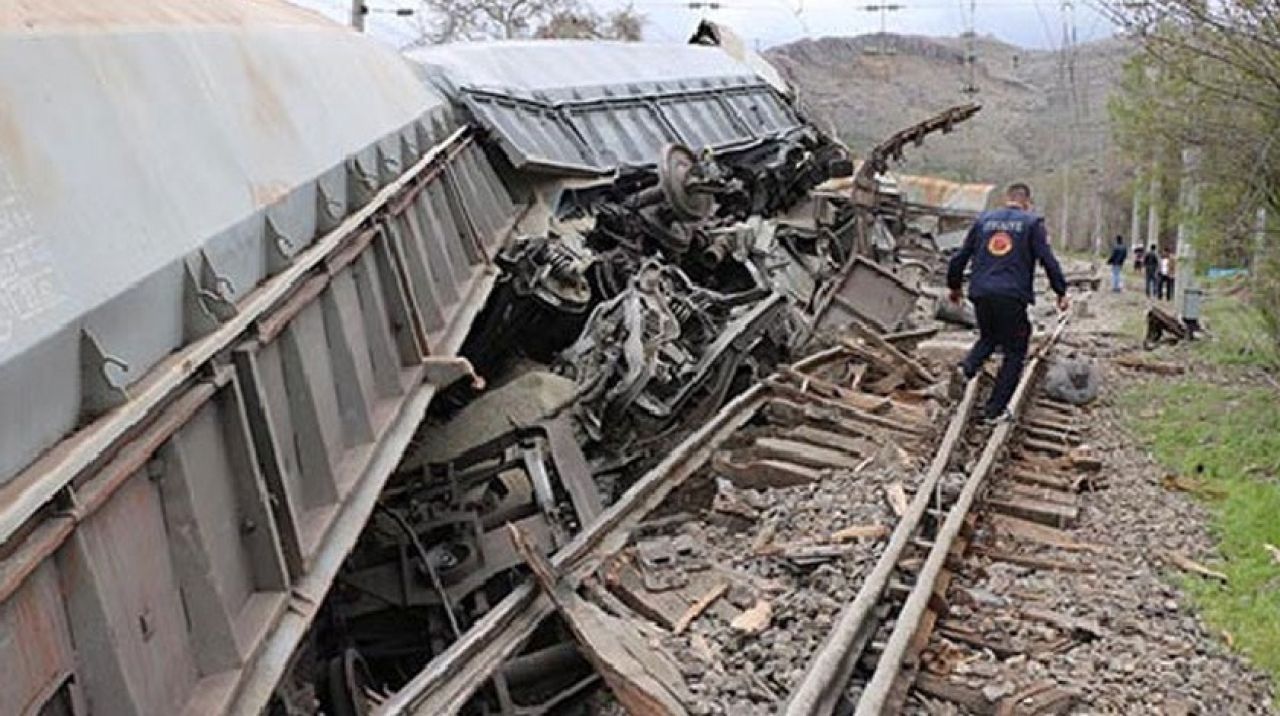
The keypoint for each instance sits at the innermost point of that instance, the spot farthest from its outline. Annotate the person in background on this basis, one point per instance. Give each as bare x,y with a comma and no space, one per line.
1139,254
1005,245
1151,266
1119,253
1168,271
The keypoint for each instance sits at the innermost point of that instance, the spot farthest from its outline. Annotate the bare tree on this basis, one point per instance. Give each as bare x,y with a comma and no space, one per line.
441,21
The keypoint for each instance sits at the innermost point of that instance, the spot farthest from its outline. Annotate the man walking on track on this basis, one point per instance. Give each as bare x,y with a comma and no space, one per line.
1004,245
1119,253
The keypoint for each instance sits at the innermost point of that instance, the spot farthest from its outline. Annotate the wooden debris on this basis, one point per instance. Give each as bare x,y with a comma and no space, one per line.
1042,511
1186,564
1040,478
696,609
896,496
866,532
859,447
1061,497
1149,366
919,372
1029,561
890,382
803,453
764,474
753,620
1034,532
1191,485
643,679
1078,627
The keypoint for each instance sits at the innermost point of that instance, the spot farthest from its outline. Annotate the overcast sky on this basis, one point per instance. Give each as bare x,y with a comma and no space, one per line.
1027,23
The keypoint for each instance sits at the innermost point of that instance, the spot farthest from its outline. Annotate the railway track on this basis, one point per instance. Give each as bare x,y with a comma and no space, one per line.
792,556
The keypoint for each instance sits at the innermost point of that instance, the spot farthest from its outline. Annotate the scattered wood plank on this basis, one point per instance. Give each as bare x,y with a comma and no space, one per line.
644,680
847,534
915,428
1035,532
753,620
1034,562
918,371
859,447
1039,478
1002,648
803,453
1050,435
764,474
1078,627
1045,446
1149,366
1042,511
890,382
1035,492
696,609
1191,485
865,532
790,413
1186,564
896,495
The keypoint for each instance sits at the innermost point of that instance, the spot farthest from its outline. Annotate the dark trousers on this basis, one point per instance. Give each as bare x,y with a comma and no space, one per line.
1153,285
1166,288
1003,324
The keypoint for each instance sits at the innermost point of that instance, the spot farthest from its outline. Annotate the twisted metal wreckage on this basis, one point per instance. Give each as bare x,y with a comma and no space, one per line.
406,303
652,296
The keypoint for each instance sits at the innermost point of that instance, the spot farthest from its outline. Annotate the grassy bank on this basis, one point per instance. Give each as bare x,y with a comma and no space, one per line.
1224,433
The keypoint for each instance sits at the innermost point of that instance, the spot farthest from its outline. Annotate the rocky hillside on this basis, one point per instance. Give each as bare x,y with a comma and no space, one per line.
863,94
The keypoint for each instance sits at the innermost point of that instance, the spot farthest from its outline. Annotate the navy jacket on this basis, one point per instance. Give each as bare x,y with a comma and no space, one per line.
1004,245
1118,255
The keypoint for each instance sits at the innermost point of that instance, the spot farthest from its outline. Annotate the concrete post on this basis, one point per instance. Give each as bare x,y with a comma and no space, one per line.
1189,201
1153,209
357,15
1135,220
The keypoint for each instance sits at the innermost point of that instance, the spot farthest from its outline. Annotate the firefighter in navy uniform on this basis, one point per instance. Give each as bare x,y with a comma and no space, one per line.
1004,246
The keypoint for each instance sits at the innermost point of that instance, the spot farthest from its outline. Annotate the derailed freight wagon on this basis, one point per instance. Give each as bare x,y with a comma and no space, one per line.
238,246
245,253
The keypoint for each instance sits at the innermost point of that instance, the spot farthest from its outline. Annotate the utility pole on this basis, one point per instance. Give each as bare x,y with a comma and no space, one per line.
1135,220
1153,208
358,11
884,9
1067,69
1186,294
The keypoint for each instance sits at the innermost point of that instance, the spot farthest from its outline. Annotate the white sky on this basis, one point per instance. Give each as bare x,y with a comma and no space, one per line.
1028,23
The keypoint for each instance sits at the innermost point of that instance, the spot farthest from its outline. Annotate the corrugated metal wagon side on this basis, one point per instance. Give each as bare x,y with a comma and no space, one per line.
285,319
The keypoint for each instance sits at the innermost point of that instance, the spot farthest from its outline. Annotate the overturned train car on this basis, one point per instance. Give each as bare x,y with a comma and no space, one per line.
290,325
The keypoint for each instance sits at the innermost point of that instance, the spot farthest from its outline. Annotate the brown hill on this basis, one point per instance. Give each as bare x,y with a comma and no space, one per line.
863,88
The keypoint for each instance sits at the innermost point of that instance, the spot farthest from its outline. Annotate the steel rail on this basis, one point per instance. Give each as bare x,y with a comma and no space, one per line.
820,688
41,481
874,696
